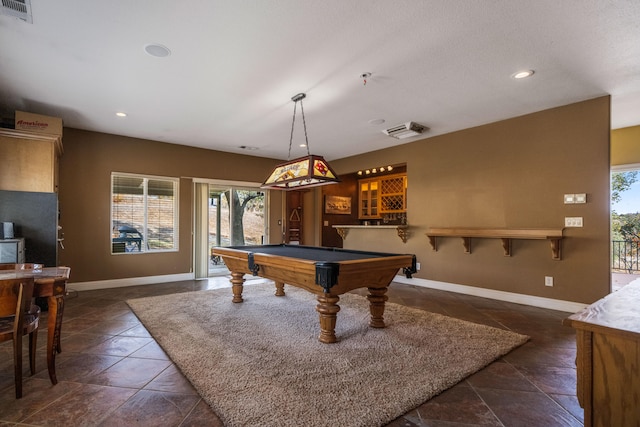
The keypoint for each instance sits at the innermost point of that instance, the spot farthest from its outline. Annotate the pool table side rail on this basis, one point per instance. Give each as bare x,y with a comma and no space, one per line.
319,249
353,274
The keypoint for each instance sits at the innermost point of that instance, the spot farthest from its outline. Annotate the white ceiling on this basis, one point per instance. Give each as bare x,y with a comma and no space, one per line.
235,65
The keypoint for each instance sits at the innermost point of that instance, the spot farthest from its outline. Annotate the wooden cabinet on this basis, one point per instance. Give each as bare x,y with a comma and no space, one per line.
393,194
293,231
29,161
369,198
608,358
382,195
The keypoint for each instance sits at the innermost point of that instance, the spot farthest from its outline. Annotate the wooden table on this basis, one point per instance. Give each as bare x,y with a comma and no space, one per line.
49,282
608,358
326,272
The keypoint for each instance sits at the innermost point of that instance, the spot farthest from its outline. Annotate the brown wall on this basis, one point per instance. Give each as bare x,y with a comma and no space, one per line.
348,187
509,174
84,198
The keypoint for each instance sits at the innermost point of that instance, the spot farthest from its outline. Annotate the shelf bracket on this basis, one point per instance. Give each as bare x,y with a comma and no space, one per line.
342,232
556,249
506,245
403,233
433,242
466,242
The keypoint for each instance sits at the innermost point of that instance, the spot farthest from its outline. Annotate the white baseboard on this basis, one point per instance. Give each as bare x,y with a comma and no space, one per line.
552,304
131,281
549,303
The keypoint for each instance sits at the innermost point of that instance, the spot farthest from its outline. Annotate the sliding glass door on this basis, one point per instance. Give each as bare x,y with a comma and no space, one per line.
234,216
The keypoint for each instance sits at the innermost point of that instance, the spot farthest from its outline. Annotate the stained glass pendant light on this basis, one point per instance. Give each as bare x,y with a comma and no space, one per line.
303,172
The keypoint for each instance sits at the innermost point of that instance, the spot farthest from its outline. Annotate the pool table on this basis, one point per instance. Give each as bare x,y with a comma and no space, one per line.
325,272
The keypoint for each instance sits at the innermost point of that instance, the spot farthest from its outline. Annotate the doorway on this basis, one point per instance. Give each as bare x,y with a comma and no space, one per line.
226,215
625,225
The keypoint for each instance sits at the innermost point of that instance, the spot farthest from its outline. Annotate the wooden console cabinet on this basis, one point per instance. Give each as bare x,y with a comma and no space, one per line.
608,358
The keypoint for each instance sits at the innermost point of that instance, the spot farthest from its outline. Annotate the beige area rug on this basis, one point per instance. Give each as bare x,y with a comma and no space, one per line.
259,363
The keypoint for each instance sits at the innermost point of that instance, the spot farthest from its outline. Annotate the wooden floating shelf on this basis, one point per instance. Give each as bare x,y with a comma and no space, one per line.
554,235
402,230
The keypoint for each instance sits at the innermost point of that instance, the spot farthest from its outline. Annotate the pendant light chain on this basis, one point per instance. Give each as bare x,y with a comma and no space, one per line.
293,123
295,99
304,123
303,172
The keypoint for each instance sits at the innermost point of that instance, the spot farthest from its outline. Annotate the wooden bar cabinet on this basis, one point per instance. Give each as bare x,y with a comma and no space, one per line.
608,358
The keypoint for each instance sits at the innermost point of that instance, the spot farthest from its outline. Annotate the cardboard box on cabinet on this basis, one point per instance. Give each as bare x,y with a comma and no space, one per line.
38,123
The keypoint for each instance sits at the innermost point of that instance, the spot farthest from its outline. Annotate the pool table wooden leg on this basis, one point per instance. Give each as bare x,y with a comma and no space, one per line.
328,309
237,279
280,289
377,298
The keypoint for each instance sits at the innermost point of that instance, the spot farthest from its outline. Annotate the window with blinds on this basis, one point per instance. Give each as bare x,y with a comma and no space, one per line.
144,213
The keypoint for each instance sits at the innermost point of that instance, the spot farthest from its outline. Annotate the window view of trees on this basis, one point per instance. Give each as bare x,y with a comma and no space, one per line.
625,227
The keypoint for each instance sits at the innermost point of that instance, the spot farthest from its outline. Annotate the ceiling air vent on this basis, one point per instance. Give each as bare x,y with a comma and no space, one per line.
405,130
18,9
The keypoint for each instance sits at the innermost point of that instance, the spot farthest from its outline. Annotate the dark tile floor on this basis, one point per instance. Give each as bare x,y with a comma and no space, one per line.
112,373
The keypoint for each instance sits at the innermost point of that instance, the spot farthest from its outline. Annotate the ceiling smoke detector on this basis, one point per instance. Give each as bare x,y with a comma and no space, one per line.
405,130
18,9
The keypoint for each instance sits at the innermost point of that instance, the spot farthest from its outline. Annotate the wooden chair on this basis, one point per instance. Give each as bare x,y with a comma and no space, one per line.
18,317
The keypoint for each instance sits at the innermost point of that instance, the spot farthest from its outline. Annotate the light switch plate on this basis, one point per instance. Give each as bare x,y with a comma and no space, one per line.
570,199
573,221
580,198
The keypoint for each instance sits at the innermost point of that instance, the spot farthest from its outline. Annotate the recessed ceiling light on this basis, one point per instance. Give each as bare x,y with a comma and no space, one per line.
121,114
157,50
376,121
523,74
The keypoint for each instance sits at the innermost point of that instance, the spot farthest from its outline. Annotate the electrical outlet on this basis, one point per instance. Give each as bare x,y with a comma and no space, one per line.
418,266
548,280
573,221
